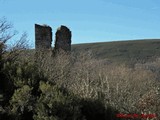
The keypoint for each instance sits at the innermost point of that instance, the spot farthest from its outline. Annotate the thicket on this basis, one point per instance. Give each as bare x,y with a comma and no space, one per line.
72,87
36,87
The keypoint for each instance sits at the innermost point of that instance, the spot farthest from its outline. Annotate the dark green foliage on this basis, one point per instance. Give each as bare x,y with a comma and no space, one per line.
54,104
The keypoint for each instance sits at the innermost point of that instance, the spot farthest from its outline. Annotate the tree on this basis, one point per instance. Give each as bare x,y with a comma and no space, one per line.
5,35
8,55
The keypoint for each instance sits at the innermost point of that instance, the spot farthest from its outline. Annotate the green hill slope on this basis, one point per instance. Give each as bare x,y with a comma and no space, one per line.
123,51
120,51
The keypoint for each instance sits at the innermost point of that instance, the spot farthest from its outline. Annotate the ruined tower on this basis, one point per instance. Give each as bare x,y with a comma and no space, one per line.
43,37
63,39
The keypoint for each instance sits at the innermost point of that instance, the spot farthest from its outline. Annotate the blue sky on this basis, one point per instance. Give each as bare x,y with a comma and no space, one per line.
89,20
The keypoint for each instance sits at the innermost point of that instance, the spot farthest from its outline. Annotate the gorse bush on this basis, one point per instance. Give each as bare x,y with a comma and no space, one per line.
54,104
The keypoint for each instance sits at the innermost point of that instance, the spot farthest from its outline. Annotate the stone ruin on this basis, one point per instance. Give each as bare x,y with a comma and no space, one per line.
63,39
43,38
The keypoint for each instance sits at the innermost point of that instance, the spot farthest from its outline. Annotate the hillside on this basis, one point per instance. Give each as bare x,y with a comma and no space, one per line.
82,88
123,51
130,52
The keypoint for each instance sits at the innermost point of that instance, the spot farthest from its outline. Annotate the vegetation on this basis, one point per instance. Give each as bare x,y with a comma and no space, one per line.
128,52
74,87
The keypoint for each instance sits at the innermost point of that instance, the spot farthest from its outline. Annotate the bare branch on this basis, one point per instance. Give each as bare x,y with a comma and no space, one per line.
22,43
5,33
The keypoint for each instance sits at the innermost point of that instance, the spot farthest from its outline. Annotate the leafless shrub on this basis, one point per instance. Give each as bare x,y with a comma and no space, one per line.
118,86
129,90
6,36
56,68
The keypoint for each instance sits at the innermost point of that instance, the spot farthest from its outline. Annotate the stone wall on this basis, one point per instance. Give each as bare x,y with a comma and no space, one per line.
43,37
63,39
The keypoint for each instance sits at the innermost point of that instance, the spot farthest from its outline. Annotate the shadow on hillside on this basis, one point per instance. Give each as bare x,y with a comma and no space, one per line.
95,110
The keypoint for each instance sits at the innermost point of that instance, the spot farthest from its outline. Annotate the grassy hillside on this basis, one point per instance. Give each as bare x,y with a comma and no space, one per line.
123,51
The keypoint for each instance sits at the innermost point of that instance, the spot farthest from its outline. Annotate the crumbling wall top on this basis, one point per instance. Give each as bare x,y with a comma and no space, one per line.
43,36
63,39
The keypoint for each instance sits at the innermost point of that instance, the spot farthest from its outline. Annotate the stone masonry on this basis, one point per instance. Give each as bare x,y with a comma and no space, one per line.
63,39
43,38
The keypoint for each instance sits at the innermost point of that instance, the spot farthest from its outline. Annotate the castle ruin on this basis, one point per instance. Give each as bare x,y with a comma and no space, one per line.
43,38
63,39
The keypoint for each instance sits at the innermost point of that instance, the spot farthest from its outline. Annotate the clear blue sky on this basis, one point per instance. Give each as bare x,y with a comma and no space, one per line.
89,20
